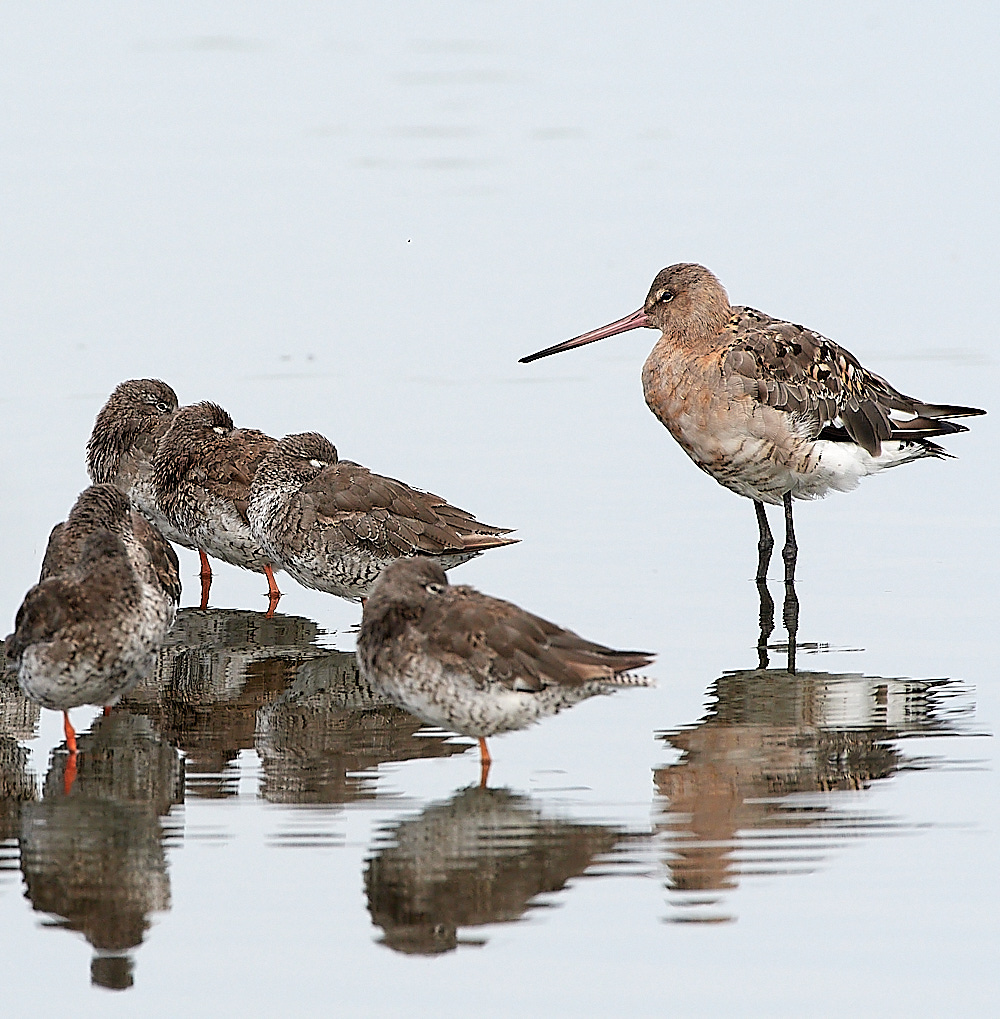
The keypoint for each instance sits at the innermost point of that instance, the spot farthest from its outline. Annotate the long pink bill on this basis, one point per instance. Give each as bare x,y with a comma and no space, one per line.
637,320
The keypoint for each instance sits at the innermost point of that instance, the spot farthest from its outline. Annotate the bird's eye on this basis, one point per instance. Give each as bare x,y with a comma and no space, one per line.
665,296
318,463
162,408
434,588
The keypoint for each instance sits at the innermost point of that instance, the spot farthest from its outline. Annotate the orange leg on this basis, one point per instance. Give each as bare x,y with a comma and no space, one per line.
273,594
484,763
107,710
206,578
69,732
69,775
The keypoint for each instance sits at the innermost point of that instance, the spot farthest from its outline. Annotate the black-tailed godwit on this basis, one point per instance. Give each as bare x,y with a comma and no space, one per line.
771,410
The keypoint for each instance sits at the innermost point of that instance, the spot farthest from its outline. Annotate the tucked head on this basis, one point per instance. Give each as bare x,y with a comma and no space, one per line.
105,550
685,300
411,578
311,447
100,506
200,420
136,407
194,430
143,398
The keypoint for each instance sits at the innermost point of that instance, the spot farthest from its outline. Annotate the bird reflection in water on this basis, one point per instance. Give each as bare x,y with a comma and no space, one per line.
736,801
789,613
217,668
18,784
93,858
230,680
323,738
482,857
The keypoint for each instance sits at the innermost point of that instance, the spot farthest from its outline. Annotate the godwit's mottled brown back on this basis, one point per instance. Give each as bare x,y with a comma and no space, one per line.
796,370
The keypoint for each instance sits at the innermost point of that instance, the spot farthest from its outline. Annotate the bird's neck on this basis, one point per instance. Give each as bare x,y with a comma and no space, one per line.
699,331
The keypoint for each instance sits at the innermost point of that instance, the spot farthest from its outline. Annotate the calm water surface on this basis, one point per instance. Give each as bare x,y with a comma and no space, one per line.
355,221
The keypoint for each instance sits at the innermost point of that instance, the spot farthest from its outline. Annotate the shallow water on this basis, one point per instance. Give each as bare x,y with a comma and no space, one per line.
327,219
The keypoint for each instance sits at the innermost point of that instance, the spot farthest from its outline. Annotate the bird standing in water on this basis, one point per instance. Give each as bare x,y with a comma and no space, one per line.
334,525
202,470
773,411
474,664
121,449
91,627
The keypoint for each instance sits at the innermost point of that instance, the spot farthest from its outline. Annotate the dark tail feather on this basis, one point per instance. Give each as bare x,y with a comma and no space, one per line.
941,410
925,427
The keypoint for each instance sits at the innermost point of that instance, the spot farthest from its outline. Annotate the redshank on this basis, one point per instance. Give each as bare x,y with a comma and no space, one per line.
90,629
771,410
154,562
122,445
202,471
334,526
474,664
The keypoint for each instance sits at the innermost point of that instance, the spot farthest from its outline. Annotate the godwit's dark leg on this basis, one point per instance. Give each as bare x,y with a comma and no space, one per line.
790,612
273,594
790,615
765,543
484,762
790,552
766,623
206,578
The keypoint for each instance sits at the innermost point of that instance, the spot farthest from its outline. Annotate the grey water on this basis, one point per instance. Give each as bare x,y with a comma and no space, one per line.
354,219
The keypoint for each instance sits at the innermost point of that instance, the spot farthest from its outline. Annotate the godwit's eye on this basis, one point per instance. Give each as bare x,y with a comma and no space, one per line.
434,588
163,407
665,296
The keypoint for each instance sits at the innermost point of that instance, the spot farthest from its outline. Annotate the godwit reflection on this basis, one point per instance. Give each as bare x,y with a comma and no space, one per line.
93,858
727,804
481,857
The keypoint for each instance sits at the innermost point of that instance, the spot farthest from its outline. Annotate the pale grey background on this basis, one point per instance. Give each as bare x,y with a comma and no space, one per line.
354,218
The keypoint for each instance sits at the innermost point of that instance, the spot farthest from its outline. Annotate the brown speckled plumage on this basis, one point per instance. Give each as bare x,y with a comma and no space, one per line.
106,507
474,664
106,598
124,440
201,474
333,525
